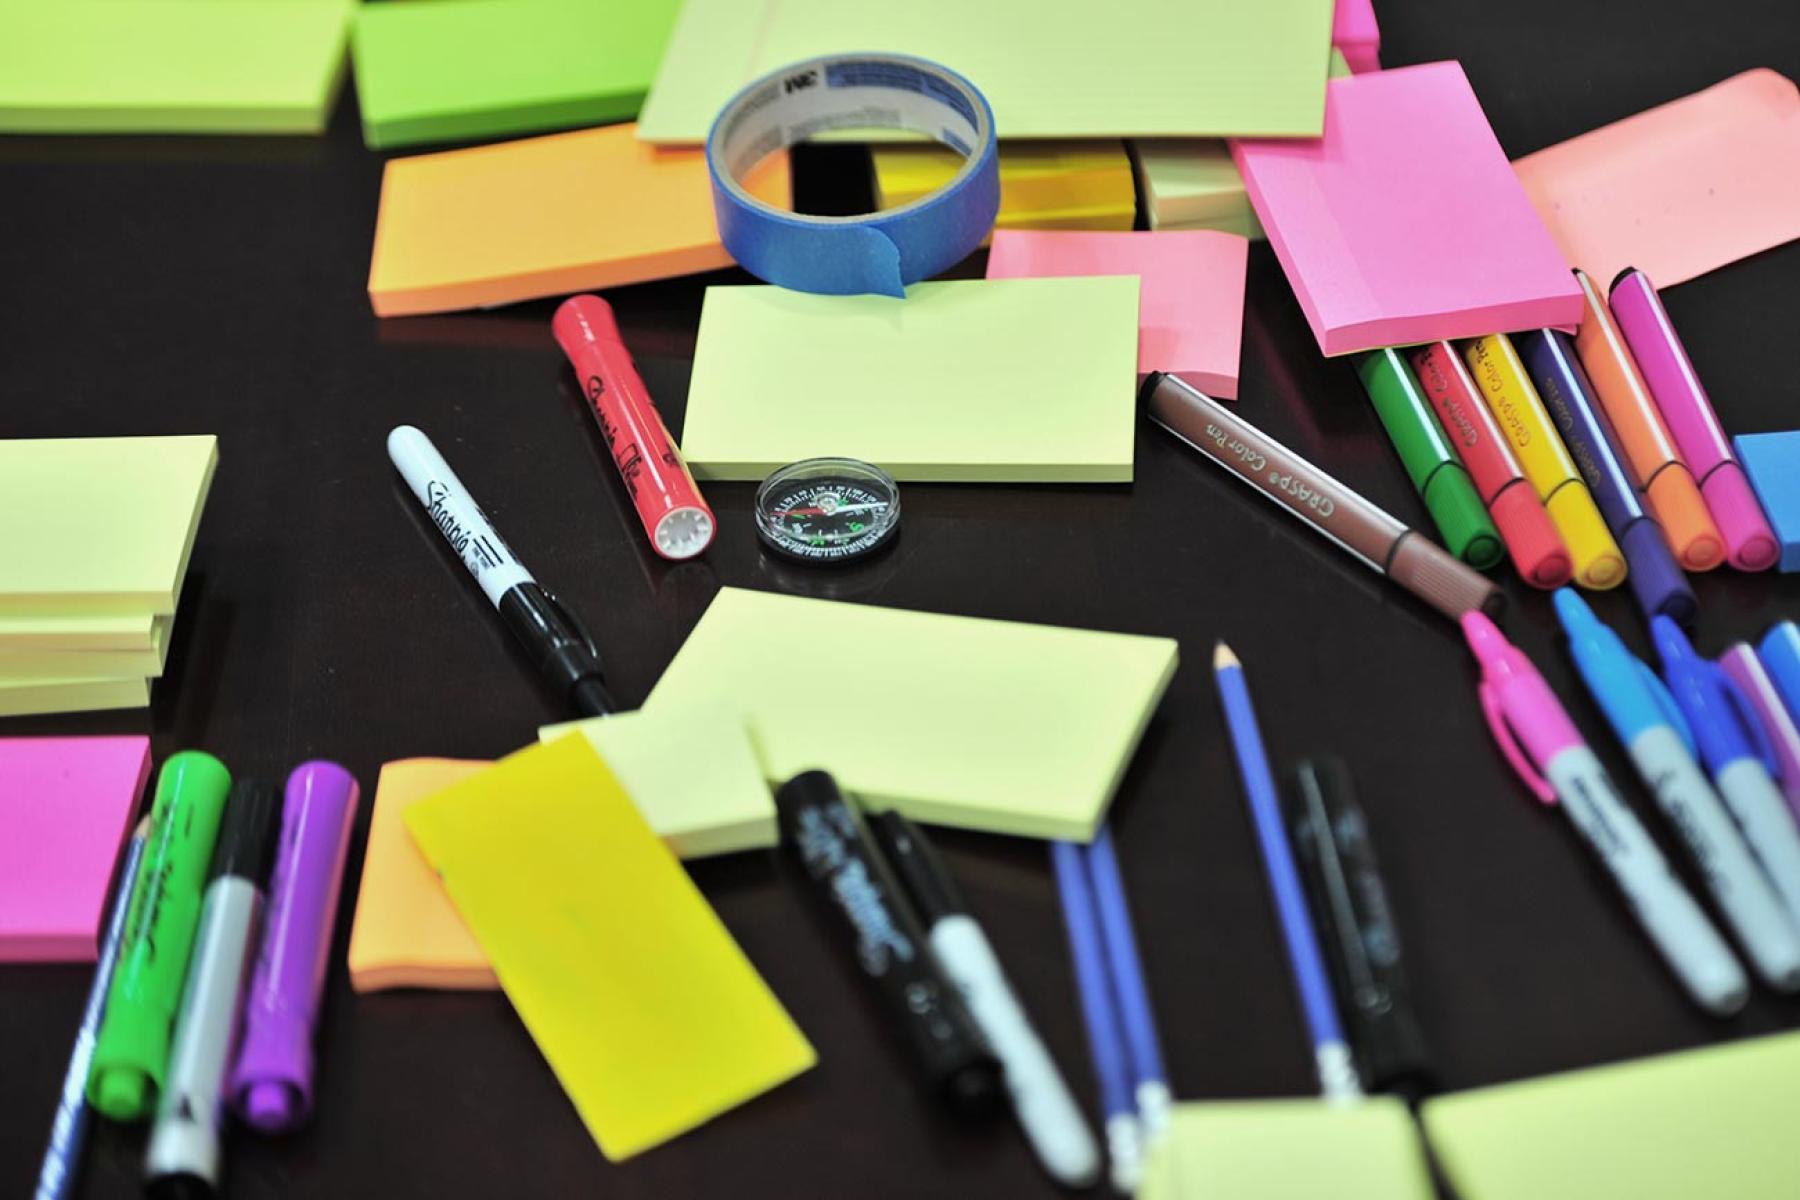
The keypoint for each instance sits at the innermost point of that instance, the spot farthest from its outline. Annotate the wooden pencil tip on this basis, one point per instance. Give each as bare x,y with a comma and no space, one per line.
1223,657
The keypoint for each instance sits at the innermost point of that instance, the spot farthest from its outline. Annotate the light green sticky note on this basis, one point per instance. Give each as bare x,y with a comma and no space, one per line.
21,664
21,697
995,725
976,380
134,631
690,771
100,526
1718,1122
1062,68
1289,1150
170,66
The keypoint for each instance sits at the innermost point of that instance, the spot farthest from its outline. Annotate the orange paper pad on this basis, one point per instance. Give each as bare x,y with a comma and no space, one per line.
1680,189
545,216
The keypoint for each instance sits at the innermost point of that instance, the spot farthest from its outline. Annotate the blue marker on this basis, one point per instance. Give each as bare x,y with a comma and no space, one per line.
1656,579
1730,743
1149,1081
1780,654
1650,726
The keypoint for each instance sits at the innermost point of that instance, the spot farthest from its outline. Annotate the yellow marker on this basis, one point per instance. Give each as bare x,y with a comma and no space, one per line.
1516,407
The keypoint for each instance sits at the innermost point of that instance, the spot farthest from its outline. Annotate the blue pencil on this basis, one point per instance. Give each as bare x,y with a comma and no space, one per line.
1149,1081
68,1131
1106,1036
1337,1071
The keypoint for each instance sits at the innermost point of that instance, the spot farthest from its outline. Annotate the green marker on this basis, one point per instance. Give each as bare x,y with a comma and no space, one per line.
1441,478
133,1048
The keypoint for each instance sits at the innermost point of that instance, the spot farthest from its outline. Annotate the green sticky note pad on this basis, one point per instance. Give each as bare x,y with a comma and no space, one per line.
1289,1150
1716,1122
975,380
995,725
451,70
170,66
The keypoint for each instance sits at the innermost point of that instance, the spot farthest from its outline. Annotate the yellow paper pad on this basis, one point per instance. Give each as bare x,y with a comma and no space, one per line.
139,631
53,694
1289,1150
651,1016
1717,1122
1057,70
995,725
545,216
1043,185
975,380
100,526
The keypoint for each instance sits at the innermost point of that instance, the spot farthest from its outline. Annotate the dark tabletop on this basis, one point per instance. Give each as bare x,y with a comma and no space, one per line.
186,285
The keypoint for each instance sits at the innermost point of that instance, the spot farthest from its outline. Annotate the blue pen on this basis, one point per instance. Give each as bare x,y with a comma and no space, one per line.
1650,726
1106,1035
1656,579
1780,654
1728,736
1337,1070
1149,1082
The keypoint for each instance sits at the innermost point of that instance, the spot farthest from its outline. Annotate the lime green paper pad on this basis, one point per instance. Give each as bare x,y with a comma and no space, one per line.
995,725
452,70
976,380
1718,1122
100,526
136,631
1050,68
170,66
1289,1150
23,664
20,697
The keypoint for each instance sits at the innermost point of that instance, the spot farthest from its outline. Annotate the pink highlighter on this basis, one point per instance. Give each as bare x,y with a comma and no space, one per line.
1750,544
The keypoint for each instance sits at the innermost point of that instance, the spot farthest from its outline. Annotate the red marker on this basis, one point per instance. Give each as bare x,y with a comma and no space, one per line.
1537,549
675,516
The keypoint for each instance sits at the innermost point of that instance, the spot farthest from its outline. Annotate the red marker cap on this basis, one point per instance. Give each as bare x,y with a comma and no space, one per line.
1536,548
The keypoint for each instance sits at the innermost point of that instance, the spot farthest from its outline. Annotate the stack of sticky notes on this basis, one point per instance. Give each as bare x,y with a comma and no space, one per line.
65,807
174,66
1355,34
97,544
1043,185
1289,1150
456,70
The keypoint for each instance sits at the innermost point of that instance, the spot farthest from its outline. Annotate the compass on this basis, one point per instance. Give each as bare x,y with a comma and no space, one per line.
824,510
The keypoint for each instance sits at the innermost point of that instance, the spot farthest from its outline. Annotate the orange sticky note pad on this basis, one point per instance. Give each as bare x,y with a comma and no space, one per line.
545,216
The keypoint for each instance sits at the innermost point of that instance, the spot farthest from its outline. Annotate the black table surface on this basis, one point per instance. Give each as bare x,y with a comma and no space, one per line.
185,285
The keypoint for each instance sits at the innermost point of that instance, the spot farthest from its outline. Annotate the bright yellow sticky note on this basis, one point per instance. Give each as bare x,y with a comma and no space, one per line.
971,380
1289,1150
651,1016
1043,185
690,771
102,526
1716,1122
995,725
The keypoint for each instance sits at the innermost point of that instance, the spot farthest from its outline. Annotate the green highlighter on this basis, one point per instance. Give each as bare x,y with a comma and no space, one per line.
133,1048
1436,472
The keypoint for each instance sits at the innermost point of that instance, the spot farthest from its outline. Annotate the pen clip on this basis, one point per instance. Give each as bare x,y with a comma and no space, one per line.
1665,704
1747,719
1510,747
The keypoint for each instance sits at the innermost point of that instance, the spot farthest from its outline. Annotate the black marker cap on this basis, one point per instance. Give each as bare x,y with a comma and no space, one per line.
928,882
246,845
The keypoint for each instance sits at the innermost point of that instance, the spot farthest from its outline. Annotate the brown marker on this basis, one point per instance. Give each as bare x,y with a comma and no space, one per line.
1381,541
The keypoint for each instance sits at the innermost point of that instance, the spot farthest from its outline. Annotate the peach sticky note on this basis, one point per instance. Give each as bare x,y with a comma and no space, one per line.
545,216
634,991
65,804
1404,223
1680,189
1190,297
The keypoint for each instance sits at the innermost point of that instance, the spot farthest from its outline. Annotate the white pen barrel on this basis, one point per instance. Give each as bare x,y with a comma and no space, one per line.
1047,1112
1744,894
448,503
1670,915
1768,826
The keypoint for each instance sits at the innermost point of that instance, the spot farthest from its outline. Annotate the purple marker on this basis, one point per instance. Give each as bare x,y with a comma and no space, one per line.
1765,703
271,1082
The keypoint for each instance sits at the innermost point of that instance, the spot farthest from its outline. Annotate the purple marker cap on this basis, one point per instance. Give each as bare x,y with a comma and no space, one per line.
271,1082
1658,581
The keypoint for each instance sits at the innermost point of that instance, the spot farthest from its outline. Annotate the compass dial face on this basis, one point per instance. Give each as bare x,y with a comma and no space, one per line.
827,516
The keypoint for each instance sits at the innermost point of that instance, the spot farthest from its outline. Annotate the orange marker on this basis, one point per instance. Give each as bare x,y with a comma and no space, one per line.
1664,479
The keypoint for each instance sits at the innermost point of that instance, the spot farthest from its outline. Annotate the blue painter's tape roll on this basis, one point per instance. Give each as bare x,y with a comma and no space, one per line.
879,252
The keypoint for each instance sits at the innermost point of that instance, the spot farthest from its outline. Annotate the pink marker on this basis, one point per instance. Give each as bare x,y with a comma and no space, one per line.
1771,715
1749,542
1547,751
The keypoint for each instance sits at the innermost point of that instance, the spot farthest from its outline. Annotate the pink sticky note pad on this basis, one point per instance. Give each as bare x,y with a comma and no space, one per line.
1353,30
1404,223
1190,291
1680,189
65,804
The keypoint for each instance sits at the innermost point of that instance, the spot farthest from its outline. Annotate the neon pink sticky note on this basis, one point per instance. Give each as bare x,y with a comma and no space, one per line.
65,804
1353,31
1680,189
1190,291
1404,223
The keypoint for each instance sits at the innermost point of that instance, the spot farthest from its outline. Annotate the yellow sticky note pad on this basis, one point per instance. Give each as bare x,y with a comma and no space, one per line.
994,725
1702,1123
690,771
1289,1150
651,1016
